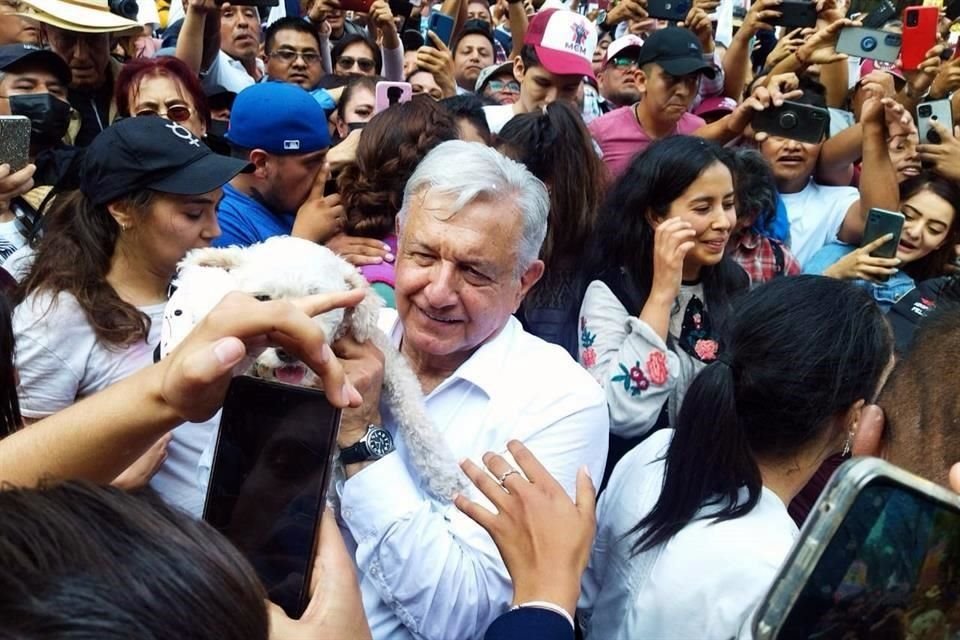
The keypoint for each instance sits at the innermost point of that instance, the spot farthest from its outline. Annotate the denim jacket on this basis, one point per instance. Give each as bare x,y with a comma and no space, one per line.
886,293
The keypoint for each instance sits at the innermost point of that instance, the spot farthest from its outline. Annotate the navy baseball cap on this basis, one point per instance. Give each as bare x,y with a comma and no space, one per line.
677,50
278,117
13,54
149,152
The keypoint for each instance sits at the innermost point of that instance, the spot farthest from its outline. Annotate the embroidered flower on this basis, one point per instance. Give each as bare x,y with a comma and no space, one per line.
589,357
633,379
706,349
586,338
657,368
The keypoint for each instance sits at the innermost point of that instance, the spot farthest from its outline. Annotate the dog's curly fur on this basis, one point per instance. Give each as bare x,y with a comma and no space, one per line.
286,267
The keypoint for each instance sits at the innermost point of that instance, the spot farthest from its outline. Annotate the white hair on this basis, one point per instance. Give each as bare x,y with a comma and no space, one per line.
470,171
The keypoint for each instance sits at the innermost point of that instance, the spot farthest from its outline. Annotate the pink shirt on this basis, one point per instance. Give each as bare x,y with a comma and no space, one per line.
621,137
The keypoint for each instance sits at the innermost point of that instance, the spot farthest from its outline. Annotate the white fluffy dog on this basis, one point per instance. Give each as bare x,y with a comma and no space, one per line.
287,267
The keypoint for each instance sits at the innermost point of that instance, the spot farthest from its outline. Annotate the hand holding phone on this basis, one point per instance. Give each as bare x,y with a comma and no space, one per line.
939,111
15,141
442,25
920,26
793,120
870,43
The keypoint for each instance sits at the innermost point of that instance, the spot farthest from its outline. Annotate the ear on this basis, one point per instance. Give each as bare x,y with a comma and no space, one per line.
518,69
641,79
226,258
342,129
124,218
868,432
260,158
651,220
529,278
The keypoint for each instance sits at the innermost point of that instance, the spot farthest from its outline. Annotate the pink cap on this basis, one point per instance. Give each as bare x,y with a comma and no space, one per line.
869,66
564,42
716,103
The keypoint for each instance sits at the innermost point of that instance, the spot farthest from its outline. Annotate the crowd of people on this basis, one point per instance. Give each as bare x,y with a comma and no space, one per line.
648,330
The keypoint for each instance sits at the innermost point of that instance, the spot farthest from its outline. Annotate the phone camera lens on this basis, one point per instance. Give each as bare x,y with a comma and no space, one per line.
892,40
788,120
911,19
868,44
926,111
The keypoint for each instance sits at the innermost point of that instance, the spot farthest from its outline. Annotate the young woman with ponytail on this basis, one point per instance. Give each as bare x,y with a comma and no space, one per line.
556,146
88,313
693,525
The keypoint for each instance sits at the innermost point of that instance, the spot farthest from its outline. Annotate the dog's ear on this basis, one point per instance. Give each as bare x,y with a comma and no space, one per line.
226,258
363,317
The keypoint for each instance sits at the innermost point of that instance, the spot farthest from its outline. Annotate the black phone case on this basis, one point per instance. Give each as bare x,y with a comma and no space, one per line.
793,120
796,14
672,10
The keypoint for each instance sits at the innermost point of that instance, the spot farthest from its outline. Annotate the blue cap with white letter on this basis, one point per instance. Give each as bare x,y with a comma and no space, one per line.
279,118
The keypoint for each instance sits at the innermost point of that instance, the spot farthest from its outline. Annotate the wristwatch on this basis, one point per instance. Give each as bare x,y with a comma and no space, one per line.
375,444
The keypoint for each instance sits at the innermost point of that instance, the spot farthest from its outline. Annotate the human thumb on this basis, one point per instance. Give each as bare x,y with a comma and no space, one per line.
955,477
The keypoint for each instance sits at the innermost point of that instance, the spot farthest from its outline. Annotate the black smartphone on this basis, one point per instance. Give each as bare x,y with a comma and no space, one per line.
952,10
255,3
879,15
672,10
878,558
793,120
796,14
268,481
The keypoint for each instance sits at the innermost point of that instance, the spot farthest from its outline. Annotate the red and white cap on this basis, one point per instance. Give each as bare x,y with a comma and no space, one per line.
622,43
564,41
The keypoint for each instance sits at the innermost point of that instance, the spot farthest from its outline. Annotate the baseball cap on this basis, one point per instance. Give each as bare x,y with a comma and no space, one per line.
150,152
621,44
564,41
869,66
279,118
716,103
478,27
12,54
677,50
488,72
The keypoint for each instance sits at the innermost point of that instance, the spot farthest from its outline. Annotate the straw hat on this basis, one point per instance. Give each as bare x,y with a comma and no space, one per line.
82,16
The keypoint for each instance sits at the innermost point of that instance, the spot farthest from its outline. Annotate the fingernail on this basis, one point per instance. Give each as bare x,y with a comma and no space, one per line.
345,394
354,394
326,353
386,248
228,351
389,257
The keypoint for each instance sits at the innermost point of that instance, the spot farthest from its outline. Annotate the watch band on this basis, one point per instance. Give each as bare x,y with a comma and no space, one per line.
361,451
357,452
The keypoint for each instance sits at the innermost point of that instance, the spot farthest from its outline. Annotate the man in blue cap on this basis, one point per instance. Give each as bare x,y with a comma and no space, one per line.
282,131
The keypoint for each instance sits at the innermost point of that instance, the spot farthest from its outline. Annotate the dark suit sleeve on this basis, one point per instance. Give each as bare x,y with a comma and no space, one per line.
530,623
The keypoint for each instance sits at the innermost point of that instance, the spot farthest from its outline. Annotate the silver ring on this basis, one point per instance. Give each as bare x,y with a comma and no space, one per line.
504,475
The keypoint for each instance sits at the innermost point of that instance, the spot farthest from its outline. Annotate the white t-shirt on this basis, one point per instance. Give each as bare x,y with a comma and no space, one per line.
498,115
18,263
816,214
60,361
228,73
10,239
703,583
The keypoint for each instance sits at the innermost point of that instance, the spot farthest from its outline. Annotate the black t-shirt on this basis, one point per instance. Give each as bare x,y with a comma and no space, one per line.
94,110
906,315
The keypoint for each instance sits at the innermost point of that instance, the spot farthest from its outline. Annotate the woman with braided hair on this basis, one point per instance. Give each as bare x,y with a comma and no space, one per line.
371,187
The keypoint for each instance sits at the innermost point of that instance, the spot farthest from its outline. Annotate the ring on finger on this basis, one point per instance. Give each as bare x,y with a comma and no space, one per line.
505,474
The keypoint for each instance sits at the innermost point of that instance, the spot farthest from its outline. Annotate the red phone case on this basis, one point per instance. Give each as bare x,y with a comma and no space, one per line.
359,6
920,37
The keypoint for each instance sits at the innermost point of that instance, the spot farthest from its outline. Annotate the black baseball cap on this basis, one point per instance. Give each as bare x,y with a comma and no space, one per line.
677,50
13,54
149,152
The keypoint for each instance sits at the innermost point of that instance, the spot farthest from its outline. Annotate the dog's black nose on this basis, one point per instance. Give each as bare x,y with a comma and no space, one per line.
284,356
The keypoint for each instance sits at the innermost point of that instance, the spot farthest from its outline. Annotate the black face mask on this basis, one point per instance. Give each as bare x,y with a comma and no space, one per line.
218,128
49,117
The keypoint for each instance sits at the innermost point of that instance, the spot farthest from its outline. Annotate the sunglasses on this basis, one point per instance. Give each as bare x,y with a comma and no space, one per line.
345,62
500,85
176,113
288,56
623,62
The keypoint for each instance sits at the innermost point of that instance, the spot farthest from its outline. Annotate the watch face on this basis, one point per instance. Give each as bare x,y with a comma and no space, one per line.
379,442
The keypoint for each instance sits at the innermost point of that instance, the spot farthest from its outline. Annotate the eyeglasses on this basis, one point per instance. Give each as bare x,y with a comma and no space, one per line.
499,85
176,113
623,62
289,55
346,63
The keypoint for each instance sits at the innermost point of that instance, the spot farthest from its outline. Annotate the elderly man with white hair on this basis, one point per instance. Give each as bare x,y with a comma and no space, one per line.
470,230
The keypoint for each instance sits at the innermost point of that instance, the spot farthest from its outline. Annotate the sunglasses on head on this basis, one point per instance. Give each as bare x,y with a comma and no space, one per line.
176,113
346,62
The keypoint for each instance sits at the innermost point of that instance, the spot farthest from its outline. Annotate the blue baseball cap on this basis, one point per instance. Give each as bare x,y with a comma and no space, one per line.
279,118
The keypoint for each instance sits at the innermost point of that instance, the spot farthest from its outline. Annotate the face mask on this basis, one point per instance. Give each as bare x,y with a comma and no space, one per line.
218,128
49,117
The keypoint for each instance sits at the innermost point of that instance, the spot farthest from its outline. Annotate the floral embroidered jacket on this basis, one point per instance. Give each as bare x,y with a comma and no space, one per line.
637,369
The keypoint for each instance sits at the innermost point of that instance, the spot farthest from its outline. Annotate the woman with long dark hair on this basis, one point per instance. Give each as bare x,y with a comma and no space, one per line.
556,147
661,282
10,419
89,311
693,525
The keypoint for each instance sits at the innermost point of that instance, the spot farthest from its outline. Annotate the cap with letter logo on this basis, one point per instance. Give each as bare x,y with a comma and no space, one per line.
279,118
564,41
149,152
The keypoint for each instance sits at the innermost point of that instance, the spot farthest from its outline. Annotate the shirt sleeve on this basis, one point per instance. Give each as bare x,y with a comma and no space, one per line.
393,63
629,360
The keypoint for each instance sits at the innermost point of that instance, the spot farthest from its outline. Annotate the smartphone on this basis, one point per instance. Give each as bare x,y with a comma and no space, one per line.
442,25
793,120
939,110
881,222
920,25
869,43
268,481
796,14
863,8
388,94
952,10
358,6
15,141
879,15
672,10
256,3
877,558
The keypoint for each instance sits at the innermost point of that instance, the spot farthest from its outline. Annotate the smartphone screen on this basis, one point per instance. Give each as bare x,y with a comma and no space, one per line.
269,478
865,7
891,570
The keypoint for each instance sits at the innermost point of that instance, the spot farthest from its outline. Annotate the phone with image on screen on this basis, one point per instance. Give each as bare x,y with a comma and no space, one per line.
15,141
878,557
269,478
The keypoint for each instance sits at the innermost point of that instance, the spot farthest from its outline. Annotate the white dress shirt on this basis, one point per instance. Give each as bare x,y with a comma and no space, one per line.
426,570
703,583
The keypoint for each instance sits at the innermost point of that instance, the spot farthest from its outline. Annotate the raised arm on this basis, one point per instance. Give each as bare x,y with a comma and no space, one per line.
199,41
